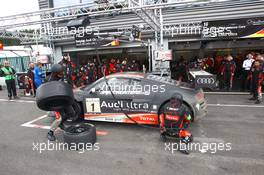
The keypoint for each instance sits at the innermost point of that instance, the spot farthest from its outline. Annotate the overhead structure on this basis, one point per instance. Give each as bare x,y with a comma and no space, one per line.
147,15
24,37
158,18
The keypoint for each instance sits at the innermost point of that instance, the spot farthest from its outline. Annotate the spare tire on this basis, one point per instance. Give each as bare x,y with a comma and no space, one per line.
54,95
81,133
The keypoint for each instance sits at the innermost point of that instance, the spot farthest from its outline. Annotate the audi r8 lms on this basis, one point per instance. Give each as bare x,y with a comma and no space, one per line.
138,95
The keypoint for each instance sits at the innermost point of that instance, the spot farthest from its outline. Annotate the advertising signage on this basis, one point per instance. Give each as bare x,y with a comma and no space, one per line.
86,39
231,29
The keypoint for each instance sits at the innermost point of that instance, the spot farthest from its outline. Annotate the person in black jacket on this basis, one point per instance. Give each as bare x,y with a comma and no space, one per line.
67,68
257,78
182,71
57,72
31,76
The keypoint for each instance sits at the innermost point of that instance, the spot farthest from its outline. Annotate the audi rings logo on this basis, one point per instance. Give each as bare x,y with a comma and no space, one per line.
206,80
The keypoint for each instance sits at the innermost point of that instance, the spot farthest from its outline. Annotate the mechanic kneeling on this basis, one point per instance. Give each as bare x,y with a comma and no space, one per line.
174,119
57,74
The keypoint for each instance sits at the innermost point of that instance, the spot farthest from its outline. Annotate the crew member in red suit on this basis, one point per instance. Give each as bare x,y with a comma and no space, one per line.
102,68
228,68
91,73
118,65
217,64
209,64
112,66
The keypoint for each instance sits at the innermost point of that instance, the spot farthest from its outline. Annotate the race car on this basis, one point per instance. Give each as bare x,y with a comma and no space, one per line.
133,97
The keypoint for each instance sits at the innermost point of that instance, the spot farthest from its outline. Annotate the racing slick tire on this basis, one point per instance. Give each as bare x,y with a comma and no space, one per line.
54,95
80,134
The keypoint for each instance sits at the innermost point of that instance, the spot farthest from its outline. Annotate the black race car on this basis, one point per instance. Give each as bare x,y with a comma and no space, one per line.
140,96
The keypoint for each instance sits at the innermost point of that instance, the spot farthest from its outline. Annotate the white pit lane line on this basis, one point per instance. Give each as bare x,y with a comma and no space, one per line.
31,125
235,105
18,101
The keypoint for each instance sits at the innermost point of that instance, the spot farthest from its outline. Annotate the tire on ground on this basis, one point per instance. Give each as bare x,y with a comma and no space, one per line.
80,134
54,95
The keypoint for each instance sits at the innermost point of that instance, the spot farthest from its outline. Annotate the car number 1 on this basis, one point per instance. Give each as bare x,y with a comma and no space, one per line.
93,105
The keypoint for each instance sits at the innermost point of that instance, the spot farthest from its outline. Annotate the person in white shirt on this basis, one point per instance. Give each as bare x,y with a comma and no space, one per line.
247,63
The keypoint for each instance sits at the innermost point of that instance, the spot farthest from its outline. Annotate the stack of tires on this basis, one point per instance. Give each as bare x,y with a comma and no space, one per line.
56,96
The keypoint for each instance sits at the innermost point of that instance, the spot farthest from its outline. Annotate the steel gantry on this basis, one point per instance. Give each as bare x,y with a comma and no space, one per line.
156,17
149,13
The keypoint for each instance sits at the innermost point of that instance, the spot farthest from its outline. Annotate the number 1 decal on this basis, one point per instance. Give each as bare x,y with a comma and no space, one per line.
93,105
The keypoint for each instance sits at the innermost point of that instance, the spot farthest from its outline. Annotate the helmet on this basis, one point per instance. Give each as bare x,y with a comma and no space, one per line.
176,100
57,68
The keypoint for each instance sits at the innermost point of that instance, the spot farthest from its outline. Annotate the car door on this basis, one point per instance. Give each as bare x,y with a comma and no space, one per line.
100,102
142,101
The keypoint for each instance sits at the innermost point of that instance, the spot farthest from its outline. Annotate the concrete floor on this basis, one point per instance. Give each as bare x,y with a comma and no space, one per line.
132,150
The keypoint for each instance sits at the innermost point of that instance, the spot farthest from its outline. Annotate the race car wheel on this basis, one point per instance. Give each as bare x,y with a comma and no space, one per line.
54,95
80,134
187,108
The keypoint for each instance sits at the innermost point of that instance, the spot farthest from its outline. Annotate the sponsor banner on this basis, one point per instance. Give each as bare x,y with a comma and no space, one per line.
97,105
164,55
89,39
231,29
142,118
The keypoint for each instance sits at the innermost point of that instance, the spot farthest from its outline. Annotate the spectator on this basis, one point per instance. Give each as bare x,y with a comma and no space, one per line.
247,64
38,75
257,79
227,71
9,74
31,79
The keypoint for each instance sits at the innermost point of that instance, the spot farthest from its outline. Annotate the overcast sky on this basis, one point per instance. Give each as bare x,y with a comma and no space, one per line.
11,7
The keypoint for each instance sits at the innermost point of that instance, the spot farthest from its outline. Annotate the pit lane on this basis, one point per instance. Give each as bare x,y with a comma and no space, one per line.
130,149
